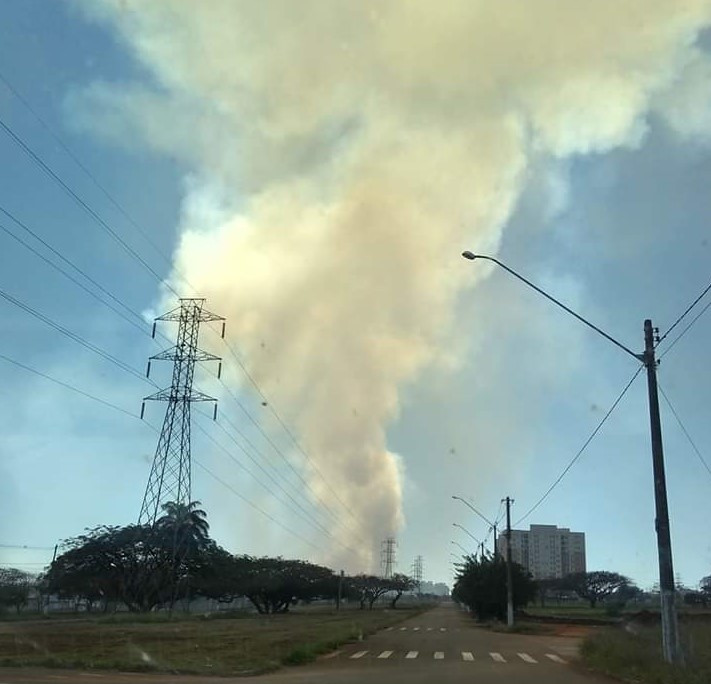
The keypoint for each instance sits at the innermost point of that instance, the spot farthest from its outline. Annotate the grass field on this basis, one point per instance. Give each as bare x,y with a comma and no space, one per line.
221,645
634,655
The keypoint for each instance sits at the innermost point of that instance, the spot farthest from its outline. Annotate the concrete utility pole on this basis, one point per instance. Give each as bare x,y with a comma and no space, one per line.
339,595
509,574
496,551
670,627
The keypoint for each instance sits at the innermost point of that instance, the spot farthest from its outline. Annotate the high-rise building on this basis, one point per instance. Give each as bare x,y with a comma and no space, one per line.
546,551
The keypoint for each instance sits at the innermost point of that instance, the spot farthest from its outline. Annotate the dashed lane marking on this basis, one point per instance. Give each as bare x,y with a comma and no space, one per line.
555,658
497,657
429,629
439,655
385,654
526,658
358,654
412,654
466,655
415,629
402,629
442,629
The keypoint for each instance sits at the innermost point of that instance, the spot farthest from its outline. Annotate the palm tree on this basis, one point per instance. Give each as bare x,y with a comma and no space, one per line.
186,523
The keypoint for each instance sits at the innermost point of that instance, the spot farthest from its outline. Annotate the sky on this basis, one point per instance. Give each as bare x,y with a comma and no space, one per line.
326,224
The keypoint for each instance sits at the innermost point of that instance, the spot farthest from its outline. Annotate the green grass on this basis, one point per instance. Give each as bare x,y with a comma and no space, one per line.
189,644
635,656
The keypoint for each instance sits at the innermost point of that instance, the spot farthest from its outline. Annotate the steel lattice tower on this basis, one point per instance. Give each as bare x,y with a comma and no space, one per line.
417,572
170,478
387,559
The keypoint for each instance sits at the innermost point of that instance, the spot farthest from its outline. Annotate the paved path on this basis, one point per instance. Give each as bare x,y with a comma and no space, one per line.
442,646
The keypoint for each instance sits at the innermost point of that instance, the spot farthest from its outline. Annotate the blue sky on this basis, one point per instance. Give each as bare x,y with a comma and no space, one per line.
621,235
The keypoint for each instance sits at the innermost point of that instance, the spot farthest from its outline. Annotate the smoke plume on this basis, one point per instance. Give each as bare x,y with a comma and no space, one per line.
343,154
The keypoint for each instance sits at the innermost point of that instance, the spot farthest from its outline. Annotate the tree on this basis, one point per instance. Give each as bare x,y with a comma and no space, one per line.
186,524
135,565
15,587
368,588
400,583
596,586
480,585
705,586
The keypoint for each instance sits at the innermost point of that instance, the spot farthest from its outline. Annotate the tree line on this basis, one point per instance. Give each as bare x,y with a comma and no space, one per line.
480,584
146,567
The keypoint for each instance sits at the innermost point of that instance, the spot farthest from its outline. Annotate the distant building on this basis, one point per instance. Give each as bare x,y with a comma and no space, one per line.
438,588
546,551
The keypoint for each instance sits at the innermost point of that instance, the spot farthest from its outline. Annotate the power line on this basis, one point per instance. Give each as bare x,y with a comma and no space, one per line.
99,400
84,168
304,514
685,431
285,426
683,315
685,330
100,221
73,279
73,336
66,385
253,505
581,450
26,546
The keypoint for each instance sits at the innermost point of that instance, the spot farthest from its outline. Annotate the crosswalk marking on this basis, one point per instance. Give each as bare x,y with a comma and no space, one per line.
412,654
358,654
333,654
402,629
555,658
429,629
466,655
442,629
497,657
389,629
439,655
527,658
415,629
385,654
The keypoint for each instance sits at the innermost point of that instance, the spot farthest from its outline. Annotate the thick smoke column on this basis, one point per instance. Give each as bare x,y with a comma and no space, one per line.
345,152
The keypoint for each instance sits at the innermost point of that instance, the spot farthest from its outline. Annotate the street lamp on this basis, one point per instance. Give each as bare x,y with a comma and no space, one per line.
466,553
670,629
480,543
492,525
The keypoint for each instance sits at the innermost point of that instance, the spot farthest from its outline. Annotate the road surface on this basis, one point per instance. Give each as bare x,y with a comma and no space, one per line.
442,646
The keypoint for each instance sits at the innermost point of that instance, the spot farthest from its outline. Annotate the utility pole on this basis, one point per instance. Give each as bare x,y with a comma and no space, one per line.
339,595
509,575
670,627
388,557
170,477
481,550
417,573
496,551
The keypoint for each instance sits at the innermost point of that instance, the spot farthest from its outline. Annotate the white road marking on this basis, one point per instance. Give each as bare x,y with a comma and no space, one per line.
358,654
429,629
466,655
442,629
497,657
555,658
527,658
328,656
412,654
439,655
402,629
389,629
415,629
385,654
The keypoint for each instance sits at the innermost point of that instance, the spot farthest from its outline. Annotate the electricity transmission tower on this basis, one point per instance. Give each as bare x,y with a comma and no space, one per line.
417,573
170,478
387,556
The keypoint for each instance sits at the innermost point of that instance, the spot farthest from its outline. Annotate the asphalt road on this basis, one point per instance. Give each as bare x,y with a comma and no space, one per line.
442,646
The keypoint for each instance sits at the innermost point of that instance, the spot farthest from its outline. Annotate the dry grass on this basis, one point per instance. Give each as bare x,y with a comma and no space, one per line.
634,654
241,645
